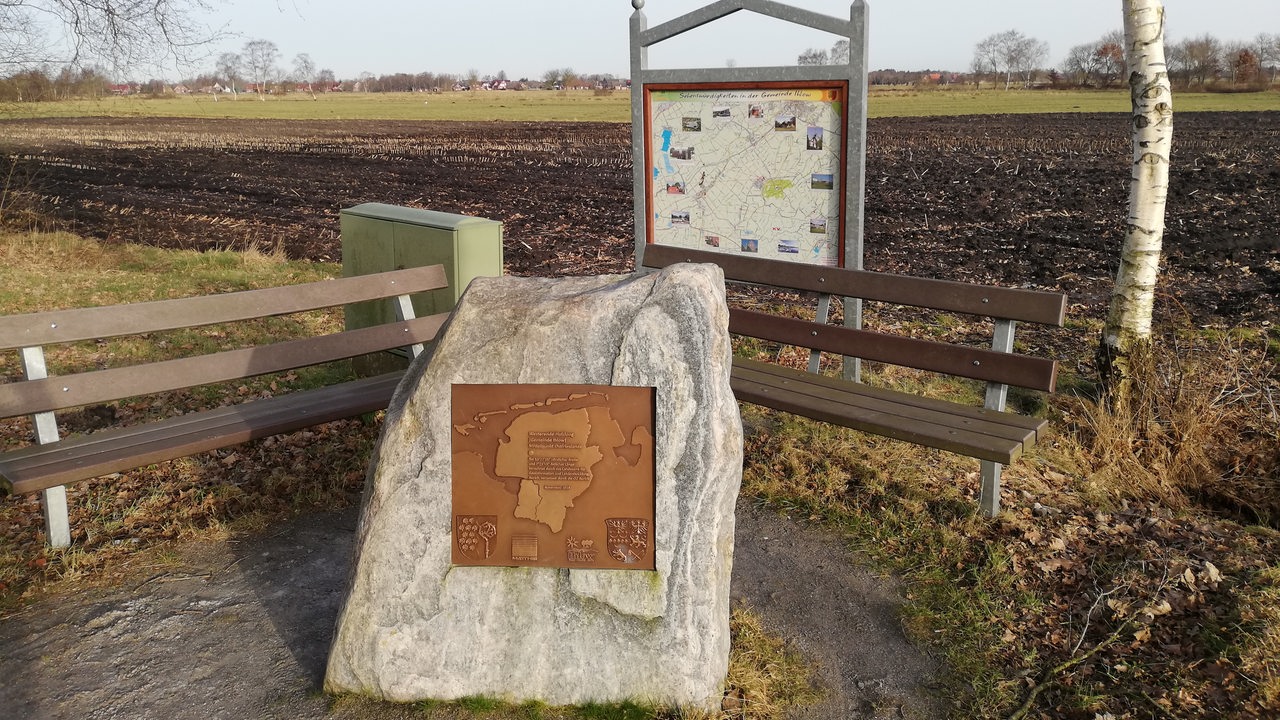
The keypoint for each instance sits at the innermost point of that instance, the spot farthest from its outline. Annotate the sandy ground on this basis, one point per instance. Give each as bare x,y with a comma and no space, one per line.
241,628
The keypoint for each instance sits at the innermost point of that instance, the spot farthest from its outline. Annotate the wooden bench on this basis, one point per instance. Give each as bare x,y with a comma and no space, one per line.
989,433
55,462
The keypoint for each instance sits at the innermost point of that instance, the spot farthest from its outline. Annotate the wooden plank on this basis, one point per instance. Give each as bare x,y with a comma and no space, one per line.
967,416
121,439
119,449
57,393
1037,306
901,422
61,326
977,363
1007,426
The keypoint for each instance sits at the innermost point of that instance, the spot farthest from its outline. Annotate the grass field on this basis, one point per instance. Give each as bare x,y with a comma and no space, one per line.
550,106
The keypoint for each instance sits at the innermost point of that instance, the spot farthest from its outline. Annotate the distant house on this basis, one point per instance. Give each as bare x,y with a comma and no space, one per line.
122,89
181,90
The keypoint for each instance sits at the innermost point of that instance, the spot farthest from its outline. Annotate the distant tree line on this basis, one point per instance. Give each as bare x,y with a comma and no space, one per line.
258,70
40,84
1011,59
1006,59
1197,61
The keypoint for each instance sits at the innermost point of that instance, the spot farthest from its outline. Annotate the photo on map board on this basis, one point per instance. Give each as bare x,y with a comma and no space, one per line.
755,112
818,225
680,218
791,247
681,153
814,138
822,181
785,123
721,111
691,124
675,188
750,245
713,240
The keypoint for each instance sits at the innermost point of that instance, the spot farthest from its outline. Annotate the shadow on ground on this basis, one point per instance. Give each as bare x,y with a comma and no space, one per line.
241,629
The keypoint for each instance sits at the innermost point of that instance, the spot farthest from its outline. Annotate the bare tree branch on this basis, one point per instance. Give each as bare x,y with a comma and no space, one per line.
121,33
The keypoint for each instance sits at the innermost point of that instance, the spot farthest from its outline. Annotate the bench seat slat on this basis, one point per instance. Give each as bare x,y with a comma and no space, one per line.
977,363
1005,303
814,383
42,466
986,434
121,438
62,326
61,392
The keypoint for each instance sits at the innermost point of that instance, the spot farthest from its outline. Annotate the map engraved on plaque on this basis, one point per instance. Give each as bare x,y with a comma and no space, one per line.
542,470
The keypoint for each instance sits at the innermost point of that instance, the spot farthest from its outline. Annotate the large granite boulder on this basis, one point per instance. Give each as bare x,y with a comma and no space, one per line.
415,626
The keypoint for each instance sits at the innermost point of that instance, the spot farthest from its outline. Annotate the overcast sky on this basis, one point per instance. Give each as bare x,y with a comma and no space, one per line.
526,38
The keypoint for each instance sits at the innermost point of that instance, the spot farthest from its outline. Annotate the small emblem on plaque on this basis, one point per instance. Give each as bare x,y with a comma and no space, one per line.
628,539
578,550
474,535
524,547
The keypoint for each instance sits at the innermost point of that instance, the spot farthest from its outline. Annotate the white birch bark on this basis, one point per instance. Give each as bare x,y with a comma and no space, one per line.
1133,298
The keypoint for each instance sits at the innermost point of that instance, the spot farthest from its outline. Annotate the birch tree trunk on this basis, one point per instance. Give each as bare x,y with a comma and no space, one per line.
1127,333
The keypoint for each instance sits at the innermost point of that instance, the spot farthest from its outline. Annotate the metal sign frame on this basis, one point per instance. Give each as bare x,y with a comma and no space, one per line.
852,75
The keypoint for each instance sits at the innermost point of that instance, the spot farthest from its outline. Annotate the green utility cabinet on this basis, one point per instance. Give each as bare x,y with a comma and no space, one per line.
378,237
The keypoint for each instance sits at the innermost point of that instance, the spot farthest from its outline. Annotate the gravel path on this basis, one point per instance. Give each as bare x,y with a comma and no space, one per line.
240,629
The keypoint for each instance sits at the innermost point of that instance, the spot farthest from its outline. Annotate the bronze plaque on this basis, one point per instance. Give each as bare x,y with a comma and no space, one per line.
553,476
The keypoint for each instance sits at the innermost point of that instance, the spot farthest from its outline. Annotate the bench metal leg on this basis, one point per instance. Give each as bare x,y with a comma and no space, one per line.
989,499
403,306
853,318
821,316
57,526
997,395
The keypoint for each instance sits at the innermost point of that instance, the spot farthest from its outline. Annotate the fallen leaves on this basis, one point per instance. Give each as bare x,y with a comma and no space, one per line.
1170,589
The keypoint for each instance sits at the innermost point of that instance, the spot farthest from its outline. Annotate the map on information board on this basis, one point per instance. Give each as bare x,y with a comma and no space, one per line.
753,170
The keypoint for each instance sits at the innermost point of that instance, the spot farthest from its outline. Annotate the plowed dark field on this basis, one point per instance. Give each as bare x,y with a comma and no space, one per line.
1024,200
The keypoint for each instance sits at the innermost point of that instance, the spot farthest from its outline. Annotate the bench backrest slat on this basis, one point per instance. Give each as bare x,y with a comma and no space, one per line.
977,363
61,392
1006,303
63,326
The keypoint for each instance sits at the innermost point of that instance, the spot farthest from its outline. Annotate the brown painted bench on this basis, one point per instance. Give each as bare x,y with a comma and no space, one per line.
55,462
988,433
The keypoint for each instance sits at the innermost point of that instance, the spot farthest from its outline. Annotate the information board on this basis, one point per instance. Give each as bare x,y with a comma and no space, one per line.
754,168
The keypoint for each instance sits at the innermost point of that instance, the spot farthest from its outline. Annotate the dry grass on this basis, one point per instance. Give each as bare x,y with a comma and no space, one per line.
1202,429
1169,500
767,679
1260,651
205,495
